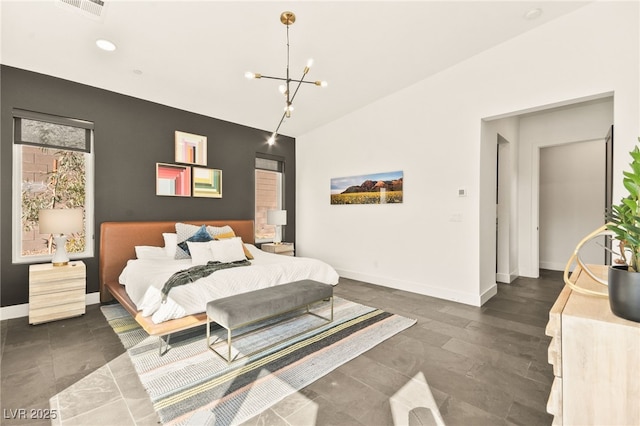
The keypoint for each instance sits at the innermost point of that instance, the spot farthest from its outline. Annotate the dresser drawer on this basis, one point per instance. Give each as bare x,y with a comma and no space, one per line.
56,312
554,404
50,288
50,274
46,300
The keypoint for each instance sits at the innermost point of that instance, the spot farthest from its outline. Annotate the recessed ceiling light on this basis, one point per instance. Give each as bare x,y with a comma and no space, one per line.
533,14
106,45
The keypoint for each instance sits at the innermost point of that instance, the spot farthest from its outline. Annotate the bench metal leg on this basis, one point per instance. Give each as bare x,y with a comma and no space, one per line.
161,340
208,332
330,319
229,331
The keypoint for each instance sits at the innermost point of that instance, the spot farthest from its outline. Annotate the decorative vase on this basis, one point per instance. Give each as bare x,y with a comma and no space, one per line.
624,293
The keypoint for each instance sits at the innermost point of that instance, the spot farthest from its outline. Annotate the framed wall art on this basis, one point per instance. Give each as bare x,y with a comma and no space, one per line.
191,149
207,182
375,188
173,180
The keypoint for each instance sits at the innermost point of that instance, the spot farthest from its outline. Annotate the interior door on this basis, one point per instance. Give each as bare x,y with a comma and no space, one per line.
608,189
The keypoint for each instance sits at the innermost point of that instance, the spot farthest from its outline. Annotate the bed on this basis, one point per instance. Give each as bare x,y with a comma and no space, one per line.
118,266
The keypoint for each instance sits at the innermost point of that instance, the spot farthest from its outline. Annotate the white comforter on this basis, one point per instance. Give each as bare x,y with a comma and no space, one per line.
144,278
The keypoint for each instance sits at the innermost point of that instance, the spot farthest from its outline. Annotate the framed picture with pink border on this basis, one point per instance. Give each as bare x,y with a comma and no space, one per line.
173,180
191,149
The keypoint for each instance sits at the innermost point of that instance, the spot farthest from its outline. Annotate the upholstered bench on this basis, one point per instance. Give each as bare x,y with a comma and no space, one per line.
245,309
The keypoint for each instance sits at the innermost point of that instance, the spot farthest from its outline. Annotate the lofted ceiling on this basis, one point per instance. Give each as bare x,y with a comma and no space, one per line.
193,55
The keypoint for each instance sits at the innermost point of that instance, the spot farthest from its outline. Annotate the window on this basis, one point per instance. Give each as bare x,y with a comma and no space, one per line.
52,168
269,195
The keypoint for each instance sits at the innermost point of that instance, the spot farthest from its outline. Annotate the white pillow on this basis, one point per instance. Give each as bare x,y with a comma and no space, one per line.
149,252
227,250
170,243
200,252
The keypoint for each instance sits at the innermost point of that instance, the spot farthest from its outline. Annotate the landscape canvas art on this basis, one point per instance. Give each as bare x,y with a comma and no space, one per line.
376,188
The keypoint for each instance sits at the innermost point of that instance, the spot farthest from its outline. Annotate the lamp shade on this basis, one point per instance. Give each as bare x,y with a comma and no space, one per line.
276,217
60,221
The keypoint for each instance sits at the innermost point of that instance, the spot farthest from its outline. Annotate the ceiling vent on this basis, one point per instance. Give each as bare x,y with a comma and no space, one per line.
93,9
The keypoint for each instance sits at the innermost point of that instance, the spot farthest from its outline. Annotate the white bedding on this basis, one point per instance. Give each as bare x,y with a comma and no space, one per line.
144,278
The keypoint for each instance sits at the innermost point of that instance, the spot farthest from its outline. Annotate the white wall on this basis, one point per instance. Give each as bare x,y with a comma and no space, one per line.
507,132
433,132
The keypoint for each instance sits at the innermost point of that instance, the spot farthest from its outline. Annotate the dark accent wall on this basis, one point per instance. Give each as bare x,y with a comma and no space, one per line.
131,136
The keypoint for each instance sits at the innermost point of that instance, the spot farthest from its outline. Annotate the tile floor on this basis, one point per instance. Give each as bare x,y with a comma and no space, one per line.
484,366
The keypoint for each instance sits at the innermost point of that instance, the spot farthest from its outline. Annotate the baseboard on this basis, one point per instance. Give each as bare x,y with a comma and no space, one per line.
552,266
93,298
502,277
488,294
419,288
14,311
506,278
19,311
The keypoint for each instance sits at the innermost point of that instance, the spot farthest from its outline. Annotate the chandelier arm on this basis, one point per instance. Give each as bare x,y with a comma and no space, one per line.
298,87
284,79
280,123
273,78
304,81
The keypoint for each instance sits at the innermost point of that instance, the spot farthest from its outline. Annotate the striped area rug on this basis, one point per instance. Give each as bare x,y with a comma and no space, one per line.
191,385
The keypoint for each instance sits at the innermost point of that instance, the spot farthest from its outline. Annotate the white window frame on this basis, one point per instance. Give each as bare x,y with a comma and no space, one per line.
16,200
279,192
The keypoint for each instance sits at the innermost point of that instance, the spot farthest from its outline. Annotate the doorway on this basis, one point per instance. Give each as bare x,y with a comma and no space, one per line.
526,133
571,201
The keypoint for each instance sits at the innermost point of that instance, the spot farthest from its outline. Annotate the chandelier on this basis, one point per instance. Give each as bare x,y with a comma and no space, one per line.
288,18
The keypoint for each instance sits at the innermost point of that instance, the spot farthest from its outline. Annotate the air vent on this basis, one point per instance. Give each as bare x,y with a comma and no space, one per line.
91,8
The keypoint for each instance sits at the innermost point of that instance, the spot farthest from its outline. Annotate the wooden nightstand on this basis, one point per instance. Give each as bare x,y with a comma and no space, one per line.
56,292
285,249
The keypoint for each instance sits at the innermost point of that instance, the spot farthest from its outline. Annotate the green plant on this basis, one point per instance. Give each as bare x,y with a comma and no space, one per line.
624,218
64,187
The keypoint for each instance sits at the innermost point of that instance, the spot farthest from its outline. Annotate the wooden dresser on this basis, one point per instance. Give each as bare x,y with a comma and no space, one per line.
56,292
595,357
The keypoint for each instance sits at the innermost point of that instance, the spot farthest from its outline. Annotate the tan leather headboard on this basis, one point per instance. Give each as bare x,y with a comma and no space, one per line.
118,241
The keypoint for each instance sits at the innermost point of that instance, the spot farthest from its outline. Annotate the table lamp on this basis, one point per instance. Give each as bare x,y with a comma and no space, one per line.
277,218
60,222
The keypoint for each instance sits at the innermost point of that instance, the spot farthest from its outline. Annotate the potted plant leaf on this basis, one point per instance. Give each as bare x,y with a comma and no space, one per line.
624,222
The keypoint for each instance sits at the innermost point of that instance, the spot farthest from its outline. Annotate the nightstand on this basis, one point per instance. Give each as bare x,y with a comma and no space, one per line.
285,249
56,292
